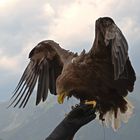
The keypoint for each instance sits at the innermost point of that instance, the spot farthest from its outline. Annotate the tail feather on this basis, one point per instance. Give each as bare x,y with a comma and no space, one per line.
115,122
126,116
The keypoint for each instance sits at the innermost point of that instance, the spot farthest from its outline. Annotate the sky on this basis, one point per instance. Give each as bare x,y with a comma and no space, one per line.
23,24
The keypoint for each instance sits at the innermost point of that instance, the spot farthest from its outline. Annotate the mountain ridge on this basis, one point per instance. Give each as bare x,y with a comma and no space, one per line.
36,123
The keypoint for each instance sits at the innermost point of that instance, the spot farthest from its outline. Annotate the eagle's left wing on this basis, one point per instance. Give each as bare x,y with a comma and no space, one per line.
110,42
119,48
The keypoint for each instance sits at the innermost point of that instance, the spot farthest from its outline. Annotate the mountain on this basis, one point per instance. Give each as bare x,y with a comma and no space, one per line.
36,123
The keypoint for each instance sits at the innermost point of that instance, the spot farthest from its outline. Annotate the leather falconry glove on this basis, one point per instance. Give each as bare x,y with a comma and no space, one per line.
78,117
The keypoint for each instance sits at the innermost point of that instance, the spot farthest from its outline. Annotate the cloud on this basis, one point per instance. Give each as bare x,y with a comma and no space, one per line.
75,21
21,26
71,23
8,63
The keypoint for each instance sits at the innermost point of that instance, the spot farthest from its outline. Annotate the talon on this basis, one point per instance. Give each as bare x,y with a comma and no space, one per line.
76,105
91,103
72,107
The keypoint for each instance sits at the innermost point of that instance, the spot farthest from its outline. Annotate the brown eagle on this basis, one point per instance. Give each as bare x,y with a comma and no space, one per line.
102,77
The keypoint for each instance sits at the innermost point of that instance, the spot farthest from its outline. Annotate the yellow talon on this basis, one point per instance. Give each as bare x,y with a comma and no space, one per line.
91,103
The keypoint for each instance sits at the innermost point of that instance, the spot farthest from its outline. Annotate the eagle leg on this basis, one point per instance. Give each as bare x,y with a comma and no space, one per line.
94,103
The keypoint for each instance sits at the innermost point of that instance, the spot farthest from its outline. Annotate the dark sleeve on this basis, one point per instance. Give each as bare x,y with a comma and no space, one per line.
78,117
63,132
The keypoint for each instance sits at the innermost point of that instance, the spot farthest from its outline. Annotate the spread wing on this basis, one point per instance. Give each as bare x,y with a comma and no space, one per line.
46,63
110,43
119,49
108,35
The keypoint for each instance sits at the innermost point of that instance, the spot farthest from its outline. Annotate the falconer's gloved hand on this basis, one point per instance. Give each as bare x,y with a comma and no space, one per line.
78,117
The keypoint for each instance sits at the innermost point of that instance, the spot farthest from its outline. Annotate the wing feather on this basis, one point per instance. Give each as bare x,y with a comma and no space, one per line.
23,84
28,94
24,76
46,81
43,82
28,85
108,34
52,84
119,48
119,51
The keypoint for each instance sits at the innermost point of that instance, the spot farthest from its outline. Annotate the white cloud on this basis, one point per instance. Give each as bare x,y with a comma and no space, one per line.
13,64
6,3
75,22
8,63
71,23
49,11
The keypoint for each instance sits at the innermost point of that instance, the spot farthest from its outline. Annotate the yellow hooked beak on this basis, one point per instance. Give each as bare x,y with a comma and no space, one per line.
61,97
91,103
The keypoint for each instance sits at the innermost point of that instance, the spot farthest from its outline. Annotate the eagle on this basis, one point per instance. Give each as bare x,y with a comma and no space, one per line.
103,76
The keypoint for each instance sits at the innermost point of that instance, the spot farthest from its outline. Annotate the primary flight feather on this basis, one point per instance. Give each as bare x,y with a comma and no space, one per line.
103,75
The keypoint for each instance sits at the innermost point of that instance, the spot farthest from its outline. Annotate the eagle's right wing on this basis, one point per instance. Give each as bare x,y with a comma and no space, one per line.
46,63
